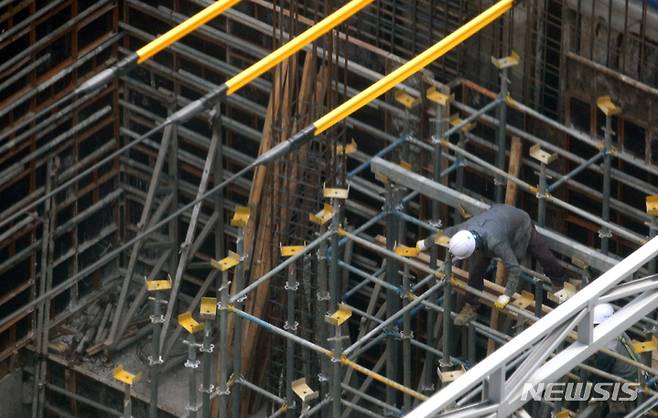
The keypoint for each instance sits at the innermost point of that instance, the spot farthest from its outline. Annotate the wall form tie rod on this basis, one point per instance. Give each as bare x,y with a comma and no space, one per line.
229,87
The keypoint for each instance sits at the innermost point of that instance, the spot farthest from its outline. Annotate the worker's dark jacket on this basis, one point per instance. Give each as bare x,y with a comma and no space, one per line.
505,231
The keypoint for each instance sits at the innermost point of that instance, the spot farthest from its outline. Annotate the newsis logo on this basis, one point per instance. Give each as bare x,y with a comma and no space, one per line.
579,391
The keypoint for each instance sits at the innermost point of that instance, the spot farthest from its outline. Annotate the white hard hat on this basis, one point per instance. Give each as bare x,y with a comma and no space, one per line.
602,311
462,244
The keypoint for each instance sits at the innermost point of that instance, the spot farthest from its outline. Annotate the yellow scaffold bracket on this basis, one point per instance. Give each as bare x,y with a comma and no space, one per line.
290,250
607,106
158,285
404,251
456,120
464,213
240,217
335,193
347,148
208,308
506,62
524,300
652,205
341,231
323,216
224,264
340,316
405,99
406,165
644,346
450,375
542,156
442,239
303,390
436,96
190,324
382,178
120,374
565,293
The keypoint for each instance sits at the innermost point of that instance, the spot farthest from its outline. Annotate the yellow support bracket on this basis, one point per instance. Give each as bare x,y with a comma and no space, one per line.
405,99
240,216
290,250
158,285
190,324
405,251
442,239
506,62
224,264
524,300
406,165
335,193
303,390
449,375
434,95
456,120
542,156
120,374
323,216
208,308
652,205
382,178
347,148
607,106
644,346
340,316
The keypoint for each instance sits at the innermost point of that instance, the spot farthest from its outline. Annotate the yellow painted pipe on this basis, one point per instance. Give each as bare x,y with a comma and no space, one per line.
294,45
183,29
382,379
412,66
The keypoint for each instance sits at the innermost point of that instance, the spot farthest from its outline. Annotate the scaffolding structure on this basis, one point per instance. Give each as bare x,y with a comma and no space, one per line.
298,290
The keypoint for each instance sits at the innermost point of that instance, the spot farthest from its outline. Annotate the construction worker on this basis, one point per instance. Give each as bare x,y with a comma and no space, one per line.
504,232
614,366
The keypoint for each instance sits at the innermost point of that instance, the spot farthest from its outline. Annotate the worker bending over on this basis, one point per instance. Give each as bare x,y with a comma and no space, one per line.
504,232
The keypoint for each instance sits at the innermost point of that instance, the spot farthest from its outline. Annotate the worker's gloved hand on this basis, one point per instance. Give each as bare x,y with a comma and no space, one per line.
420,245
502,301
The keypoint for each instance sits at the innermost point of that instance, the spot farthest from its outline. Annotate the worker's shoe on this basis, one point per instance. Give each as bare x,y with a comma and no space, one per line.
468,313
502,301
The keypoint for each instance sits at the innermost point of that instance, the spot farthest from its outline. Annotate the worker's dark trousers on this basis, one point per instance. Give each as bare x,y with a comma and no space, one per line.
537,248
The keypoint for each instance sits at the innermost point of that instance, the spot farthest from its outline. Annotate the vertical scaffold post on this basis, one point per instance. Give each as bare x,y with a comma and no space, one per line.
128,379
337,319
503,65
290,325
208,313
188,323
239,220
442,99
392,297
156,287
609,109
446,362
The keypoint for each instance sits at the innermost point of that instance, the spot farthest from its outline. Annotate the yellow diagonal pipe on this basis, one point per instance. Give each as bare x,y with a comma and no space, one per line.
412,66
382,379
294,45
184,28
